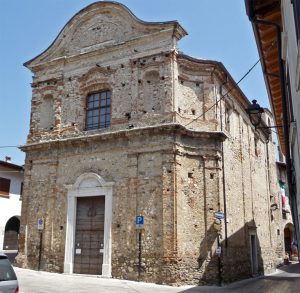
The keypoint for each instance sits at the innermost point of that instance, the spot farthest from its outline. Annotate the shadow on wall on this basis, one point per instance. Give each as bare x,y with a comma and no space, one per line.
208,261
241,256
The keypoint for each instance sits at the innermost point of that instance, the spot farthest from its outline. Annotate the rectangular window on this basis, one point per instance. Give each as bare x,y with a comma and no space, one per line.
21,189
227,119
256,146
4,186
98,110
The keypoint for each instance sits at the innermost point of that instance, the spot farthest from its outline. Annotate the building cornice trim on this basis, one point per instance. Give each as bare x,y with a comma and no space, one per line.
129,133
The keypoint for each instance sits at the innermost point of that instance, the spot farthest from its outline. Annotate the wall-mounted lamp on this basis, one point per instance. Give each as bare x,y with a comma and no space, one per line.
255,112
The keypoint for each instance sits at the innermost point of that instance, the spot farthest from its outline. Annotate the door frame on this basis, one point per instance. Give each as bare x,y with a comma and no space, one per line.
253,253
86,185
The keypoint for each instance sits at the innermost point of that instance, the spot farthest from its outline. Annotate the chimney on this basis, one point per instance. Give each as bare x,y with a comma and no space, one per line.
7,159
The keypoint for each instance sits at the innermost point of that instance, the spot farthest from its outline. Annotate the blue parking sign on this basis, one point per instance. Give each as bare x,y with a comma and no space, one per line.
139,222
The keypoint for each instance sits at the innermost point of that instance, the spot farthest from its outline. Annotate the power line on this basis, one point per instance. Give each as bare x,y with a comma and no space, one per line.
11,171
194,119
274,131
225,93
251,68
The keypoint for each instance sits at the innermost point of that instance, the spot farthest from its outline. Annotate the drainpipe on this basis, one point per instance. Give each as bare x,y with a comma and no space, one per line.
256,21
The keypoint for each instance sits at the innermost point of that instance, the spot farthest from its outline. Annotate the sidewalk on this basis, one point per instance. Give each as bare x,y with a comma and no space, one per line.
293,269
44,282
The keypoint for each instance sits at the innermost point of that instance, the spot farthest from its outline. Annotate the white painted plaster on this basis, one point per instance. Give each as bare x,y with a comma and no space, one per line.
10,206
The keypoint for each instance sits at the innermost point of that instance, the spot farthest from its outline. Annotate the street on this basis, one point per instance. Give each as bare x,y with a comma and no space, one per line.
285,280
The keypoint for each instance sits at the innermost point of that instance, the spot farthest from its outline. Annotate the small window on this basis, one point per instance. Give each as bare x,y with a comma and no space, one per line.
4,186
21,189
98,110
227,119
256,146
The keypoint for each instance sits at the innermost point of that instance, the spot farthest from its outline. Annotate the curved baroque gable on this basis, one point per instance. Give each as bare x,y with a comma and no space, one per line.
100,25
97,31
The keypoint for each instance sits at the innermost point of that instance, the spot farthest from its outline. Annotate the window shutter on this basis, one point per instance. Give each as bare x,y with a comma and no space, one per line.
4,186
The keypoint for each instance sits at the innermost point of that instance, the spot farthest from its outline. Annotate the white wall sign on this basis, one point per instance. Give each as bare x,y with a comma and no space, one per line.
40,224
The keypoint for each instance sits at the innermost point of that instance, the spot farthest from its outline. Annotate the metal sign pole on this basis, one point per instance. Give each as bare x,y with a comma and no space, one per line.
40,250
219,261
139,225
140,254
40,227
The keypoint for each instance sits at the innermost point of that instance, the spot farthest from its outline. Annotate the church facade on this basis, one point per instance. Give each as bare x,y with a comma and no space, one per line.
123,125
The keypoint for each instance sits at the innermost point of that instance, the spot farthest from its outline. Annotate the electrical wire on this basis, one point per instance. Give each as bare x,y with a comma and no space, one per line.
225,93
11,171
236,84
194,119
274,131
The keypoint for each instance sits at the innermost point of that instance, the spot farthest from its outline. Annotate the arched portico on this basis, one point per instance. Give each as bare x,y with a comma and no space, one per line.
11,233
288,238
86,186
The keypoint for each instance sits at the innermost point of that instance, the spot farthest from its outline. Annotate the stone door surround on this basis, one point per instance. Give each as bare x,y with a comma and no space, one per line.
88,184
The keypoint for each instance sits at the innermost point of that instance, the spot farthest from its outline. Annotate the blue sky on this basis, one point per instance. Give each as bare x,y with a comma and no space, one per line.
218,30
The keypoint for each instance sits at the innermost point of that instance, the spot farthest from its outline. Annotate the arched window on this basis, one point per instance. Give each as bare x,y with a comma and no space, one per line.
98,111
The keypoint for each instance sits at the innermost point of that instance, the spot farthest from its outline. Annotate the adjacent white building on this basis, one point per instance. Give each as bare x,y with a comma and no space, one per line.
291,55
11,182
276,26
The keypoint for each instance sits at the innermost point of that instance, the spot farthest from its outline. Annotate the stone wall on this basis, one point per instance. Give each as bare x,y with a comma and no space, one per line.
171,166
148,181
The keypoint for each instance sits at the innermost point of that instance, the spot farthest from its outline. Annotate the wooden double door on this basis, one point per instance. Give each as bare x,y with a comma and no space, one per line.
89,235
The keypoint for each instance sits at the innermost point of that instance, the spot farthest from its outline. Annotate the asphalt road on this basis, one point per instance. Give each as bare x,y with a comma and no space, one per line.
285,280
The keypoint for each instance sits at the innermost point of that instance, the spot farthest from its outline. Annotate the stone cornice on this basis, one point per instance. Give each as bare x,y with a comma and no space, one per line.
128,133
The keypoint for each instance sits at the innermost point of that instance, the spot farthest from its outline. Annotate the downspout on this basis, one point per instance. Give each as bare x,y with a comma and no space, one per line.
256,21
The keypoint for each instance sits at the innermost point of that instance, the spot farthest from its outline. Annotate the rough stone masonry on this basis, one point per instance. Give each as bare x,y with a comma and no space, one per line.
174,148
